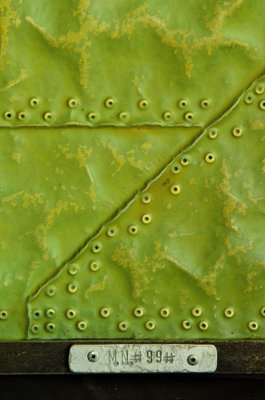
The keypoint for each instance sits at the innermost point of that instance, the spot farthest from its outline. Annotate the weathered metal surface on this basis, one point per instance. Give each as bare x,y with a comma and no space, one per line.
142,358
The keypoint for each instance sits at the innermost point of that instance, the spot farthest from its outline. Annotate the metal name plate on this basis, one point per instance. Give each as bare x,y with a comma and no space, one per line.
142,358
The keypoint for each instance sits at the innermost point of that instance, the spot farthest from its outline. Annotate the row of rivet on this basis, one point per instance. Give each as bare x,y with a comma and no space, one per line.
109,103
149,325
142,104
138,312
92,116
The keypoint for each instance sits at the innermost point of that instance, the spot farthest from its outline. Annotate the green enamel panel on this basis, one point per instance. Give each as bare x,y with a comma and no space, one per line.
132,166
56,187
185,257
124,63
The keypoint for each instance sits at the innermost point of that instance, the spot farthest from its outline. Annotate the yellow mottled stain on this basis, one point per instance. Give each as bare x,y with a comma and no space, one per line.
92,194
29,200
23,199
193,181
146,147
79,41
235,250
238,173
208,282
8,17
183,43
119,159
16,157
138,164
250,281
158,257
232,204
59,171
95,287
22,77
83,153
40,232
263,166
125,257
257,124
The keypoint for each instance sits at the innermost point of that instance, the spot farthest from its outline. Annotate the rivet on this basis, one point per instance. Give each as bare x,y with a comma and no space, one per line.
109,103
112,231
92,116
73,269
8,115
105,312
21,115
209,158
123,326
37,314
50,327
50,313
164,312
96,248
262,105
186,324
182,104
237,131
196,311
50,291
175,189
213,133
72,103
192,360
3,314
35,328
123,116
146,218
138,312
72,288
81,325
143,104
262,311
146,198
34,102
203,325
167,116
175,169
188,116
204,104
133,230
47,116
229,312
253,325
94,266
150,325
259,88
184,161
70,313
249,98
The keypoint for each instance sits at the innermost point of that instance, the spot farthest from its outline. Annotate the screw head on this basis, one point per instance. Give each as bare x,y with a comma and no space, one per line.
92,356
192,359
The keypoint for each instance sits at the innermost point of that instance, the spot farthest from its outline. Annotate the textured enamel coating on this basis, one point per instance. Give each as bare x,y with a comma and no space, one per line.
200,256
123,63
132,169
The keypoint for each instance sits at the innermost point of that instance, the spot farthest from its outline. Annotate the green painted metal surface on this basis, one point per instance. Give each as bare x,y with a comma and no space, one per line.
132,169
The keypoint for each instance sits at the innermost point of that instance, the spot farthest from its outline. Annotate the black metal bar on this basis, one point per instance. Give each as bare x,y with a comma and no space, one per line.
51,357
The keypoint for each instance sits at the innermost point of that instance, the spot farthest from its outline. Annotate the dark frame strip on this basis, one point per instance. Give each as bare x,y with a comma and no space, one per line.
51,357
